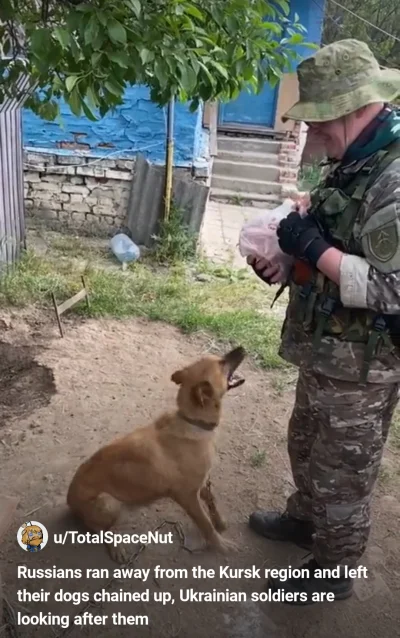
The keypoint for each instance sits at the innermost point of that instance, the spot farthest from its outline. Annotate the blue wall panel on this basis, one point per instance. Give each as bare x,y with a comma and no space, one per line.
137,126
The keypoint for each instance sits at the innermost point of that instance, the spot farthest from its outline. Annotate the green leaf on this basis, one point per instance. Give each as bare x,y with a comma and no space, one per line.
98,41
120,58
221,69
116,31
194,12
70,82
75,102
284,6
92,97
194,61
92,29
136,6
161,72
62,36
88,112
49,111
76,51
146,56
297,38
112,88
194,105
188,78
96,58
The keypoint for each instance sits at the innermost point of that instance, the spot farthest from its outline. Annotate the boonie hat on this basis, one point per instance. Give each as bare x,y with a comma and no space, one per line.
339,79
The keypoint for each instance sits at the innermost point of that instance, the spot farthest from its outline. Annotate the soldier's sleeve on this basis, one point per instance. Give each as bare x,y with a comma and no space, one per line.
373,281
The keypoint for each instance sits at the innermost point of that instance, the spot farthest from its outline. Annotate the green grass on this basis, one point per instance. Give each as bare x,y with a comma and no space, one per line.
258,458
309,177
230,305
394,436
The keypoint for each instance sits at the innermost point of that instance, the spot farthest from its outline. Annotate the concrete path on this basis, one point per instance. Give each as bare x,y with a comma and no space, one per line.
220,232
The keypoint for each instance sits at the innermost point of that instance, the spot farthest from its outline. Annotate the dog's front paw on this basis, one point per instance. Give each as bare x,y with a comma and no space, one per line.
220,525
118,554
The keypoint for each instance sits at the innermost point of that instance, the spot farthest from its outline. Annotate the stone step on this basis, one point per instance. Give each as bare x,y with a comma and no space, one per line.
247,157
258,199
246,185
244,170
248,144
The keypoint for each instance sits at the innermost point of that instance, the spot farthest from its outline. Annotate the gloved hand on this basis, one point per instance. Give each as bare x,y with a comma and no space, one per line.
267,272
301,237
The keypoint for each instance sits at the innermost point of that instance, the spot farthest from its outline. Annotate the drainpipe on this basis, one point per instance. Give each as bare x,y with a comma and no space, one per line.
169,158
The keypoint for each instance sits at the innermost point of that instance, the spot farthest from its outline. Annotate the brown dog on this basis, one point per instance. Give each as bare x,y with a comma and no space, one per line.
170,458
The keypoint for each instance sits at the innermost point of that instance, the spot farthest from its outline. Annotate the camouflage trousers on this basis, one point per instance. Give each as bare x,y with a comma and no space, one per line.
337,432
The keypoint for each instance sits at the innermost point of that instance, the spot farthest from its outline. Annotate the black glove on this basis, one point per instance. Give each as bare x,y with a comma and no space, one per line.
301,237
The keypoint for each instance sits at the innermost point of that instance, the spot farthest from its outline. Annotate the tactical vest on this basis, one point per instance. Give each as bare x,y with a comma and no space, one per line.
336,205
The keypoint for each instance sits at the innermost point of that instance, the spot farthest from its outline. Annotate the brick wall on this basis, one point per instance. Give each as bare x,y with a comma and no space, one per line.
77,193
289,161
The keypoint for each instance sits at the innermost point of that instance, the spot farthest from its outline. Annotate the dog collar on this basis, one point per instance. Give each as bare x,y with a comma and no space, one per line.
204,425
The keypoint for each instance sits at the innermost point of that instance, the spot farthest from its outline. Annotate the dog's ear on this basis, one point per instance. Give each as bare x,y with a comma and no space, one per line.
202,393
177,377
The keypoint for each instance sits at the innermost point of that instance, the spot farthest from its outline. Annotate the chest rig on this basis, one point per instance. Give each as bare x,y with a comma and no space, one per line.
336,205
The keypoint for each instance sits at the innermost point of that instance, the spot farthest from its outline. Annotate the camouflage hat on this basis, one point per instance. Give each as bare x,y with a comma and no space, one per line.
340,79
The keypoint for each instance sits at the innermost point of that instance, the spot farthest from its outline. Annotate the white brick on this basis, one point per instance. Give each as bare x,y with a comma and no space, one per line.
41,159
101,191
71,159
126,165
29,203
77,180
91,201
92,183
48,196
47,186
105,201
122,175
64,216
107,163
105,210
90,171
61,170
78,218
32,177
99,221
51,207
75,198
55,179
64,197
75,188
76,208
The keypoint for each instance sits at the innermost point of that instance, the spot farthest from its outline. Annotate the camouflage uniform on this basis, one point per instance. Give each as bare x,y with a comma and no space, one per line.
339,426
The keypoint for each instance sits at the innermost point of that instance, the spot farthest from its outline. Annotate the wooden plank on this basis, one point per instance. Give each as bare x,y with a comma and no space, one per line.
8,507
57,315
66,305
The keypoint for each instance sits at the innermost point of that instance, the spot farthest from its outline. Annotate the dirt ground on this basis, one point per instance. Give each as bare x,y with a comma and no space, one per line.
63,398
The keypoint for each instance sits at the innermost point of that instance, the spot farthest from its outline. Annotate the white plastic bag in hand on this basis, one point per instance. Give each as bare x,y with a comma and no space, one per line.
258,240
258,237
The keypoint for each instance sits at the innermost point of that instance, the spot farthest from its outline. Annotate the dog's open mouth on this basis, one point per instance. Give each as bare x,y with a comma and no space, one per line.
231,362
234,381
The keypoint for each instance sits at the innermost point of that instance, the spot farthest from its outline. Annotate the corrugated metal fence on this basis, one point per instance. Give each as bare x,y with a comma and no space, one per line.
12,209
146,201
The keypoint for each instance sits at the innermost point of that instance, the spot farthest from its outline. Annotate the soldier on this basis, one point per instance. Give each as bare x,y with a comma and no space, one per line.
341,328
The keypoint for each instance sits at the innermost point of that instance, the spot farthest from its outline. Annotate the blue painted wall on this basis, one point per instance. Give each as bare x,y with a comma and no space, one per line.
137,126
260,109
311,16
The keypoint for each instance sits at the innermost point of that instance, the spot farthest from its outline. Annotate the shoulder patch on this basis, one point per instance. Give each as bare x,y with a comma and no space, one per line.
383,242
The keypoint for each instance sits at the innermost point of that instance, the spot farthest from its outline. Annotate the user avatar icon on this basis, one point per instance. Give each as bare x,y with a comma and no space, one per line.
32,536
